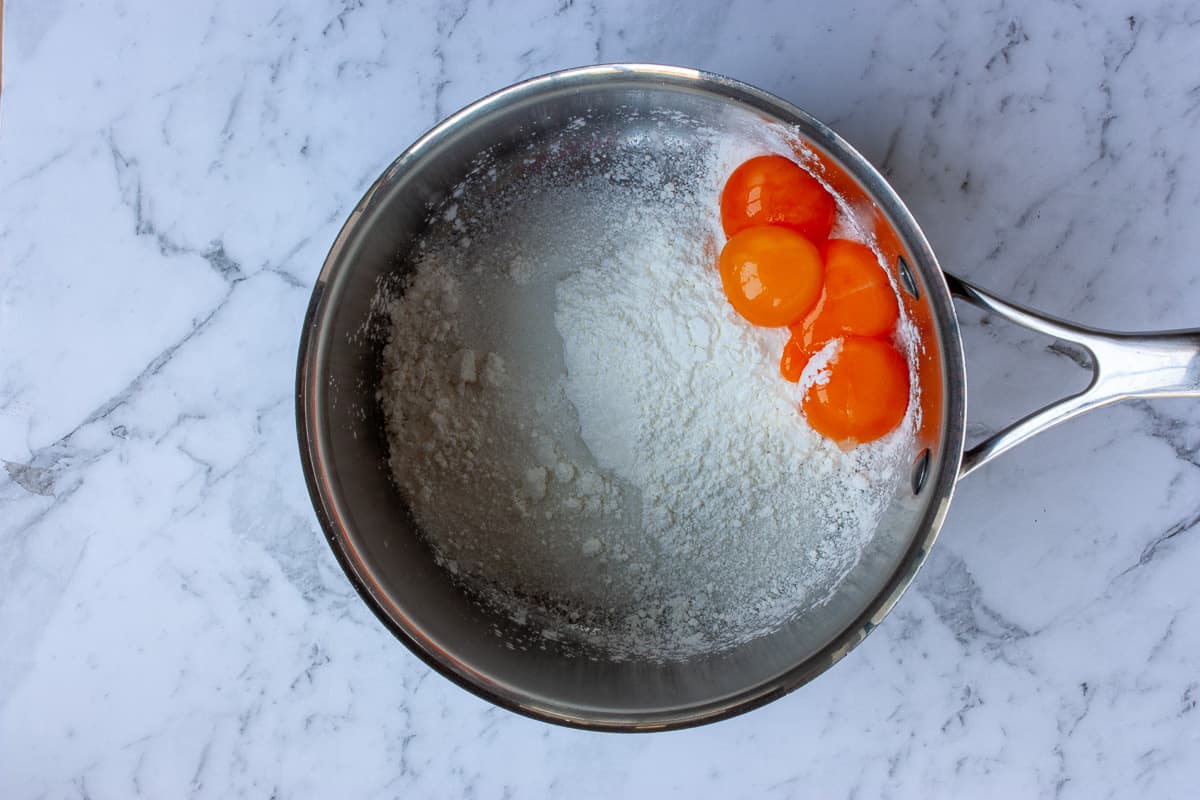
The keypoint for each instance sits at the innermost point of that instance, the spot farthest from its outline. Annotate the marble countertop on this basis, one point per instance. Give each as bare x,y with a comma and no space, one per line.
171,621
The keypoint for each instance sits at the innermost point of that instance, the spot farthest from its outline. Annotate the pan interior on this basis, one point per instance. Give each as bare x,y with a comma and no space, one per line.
511,146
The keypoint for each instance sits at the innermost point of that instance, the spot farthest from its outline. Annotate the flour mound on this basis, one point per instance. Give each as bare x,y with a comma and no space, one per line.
593,442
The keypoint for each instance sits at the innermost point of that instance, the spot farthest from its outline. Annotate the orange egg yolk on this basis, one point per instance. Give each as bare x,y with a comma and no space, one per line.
773,190
857,298
795,356
772,276
865,396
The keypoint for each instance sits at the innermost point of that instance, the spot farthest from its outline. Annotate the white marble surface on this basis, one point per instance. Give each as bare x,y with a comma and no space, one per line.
172,623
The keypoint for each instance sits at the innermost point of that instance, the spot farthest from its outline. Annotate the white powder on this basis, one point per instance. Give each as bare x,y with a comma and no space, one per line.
592,439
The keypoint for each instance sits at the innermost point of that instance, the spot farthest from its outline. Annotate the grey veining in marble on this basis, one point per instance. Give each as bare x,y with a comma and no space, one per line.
172,623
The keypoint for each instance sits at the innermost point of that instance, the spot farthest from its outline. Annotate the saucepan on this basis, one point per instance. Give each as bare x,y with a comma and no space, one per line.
529,126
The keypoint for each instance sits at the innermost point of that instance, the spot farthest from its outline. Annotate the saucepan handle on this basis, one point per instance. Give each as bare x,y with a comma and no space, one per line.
1123,365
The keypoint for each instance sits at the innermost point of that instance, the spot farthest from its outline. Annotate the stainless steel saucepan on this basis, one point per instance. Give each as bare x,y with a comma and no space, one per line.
523,128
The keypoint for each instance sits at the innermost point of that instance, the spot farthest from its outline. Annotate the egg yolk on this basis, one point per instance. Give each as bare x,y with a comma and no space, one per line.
856,299
795,356
865,396
772,276
773,190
